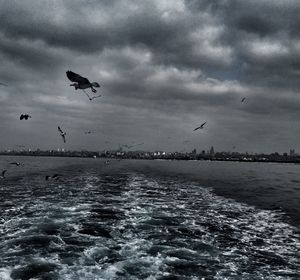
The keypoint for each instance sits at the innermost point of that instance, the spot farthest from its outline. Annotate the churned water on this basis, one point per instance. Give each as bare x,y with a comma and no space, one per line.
115,221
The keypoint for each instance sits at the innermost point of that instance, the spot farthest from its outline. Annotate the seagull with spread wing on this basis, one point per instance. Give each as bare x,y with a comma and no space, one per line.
200,127
62,134
15,163
81,82
54,177
243,99
3,174
25,116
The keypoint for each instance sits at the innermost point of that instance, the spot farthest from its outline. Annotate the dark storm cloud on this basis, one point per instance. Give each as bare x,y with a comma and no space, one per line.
161,65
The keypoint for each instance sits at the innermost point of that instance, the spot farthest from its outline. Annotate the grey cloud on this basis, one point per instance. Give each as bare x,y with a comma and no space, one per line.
163,66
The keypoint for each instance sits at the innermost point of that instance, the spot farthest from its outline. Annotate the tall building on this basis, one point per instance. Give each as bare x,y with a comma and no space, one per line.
212,151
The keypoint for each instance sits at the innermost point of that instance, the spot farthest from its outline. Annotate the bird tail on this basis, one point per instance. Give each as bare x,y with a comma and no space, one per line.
95,84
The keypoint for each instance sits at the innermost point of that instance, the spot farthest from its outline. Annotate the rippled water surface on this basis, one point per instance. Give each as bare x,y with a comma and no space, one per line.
114,221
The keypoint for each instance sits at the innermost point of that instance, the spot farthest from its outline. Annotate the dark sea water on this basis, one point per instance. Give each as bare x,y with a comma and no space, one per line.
149,220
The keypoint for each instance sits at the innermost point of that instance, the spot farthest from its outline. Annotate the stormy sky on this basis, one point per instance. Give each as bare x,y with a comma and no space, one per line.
164,66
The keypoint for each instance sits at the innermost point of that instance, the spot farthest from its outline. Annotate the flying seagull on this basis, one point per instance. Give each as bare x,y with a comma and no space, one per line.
16,163
81,82
93,97
54,177
24,116
200,127
62,134
3,174
89,132
243,99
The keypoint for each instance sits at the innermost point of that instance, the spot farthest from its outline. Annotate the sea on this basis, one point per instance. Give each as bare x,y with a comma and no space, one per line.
148,219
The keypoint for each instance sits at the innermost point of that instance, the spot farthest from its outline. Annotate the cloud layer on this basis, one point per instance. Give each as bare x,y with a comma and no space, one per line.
164,68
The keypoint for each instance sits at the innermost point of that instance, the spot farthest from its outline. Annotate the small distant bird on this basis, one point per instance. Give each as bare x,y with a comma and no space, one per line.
243,99
3,174
62,134
16,163
93,97
200,127
54,177
89,132
81,82
2,84
25,116
107,162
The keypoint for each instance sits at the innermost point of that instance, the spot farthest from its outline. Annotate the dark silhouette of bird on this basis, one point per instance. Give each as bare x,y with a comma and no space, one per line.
93,97
62,134
243,99
25,116
15,163
81,82
3,174
200,127
54,177
89,132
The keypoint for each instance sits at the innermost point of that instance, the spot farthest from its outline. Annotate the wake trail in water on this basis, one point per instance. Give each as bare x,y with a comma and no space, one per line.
130,226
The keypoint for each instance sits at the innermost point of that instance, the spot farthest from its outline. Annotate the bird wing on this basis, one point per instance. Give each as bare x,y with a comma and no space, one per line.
197,128
73,77
64,137
21,117
203,124
59,129
3,172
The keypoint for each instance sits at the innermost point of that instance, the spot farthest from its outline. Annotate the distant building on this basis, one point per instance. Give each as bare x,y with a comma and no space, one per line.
212,151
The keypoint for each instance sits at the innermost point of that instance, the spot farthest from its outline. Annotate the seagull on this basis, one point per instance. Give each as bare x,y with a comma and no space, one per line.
89,132
62,134
200,127
16,163
55,177
243,99
3,174
81,82
24,116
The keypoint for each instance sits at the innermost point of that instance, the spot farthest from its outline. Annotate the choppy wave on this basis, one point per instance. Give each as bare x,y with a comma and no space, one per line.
130,226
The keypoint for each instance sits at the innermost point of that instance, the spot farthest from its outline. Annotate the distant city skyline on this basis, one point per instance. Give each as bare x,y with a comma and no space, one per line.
211,151
165,67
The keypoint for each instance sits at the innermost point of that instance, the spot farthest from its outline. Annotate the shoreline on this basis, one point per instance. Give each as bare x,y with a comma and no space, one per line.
94,156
